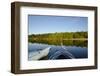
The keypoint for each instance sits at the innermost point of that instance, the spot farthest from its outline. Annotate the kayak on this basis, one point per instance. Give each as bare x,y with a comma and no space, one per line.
39,54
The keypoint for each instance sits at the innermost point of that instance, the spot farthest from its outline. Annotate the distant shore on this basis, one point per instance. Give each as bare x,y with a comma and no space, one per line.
59,36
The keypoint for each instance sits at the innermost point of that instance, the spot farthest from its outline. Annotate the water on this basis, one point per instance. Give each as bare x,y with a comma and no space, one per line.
69,50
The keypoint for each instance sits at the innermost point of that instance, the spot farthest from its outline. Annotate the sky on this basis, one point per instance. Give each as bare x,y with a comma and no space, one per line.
39,24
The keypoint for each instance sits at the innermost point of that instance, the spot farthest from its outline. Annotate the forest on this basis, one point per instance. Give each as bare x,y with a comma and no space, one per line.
58,36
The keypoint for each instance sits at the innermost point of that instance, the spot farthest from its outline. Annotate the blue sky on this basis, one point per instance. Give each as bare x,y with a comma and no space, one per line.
39,24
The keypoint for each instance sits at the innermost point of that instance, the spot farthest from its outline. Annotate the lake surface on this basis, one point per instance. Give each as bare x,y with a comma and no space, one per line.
69,50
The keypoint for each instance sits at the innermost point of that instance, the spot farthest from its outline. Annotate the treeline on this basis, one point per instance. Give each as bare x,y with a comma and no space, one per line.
58,36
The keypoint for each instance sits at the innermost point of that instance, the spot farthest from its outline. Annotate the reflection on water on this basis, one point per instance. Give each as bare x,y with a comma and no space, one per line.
70,49
82,43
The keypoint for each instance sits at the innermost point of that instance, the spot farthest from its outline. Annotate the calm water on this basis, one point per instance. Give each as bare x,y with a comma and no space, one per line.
69,50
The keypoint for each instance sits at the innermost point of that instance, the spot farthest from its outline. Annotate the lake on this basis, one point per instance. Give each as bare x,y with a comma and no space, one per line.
68,49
